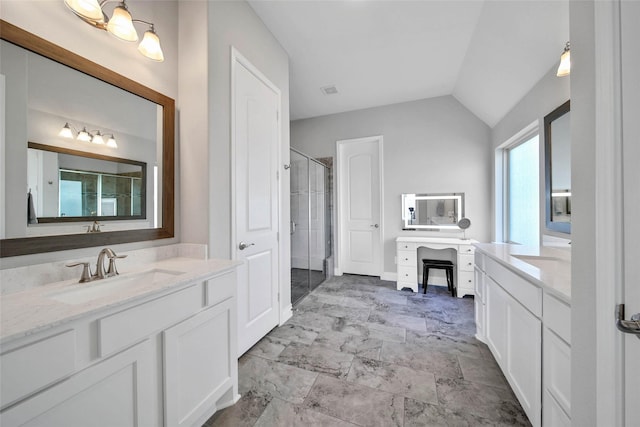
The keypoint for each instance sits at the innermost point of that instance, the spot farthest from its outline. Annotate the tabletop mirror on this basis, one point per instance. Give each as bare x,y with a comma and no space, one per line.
432,211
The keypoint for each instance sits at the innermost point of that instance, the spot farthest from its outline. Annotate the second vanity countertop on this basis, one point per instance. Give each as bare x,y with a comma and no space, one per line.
31,311
548,267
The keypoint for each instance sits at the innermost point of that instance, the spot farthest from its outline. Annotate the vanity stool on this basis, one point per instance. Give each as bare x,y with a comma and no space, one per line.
441,264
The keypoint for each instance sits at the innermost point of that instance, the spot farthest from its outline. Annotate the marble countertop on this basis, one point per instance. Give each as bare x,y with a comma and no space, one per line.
548,267
33,310
443,240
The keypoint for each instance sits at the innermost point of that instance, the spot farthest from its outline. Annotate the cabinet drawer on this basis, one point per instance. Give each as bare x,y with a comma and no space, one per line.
465,281
407,274
557,317
526,293
407,258
557,369
403,246
121,329
465,262
34,366
220,288
466,249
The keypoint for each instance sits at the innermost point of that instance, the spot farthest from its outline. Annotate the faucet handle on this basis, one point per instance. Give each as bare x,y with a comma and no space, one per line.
112,270
86,271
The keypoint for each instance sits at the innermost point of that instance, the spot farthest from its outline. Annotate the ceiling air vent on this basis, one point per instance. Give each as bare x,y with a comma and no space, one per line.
329,90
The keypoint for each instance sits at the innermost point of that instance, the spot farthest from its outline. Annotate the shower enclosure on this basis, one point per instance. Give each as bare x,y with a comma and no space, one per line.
310,224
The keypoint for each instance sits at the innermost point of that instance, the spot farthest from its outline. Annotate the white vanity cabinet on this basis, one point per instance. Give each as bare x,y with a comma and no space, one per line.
168,359
527,329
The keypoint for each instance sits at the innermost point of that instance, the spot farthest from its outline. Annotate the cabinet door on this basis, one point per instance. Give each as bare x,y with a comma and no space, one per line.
557,369
199,364
524,358
114,392
496,318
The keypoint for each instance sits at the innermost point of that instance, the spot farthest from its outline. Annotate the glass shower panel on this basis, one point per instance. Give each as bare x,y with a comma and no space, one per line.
317,224
299,226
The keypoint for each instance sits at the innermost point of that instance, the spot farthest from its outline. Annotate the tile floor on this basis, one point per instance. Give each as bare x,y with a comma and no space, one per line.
357,352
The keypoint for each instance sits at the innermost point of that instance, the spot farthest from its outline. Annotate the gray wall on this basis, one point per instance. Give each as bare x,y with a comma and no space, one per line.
548,94
430,146
208,31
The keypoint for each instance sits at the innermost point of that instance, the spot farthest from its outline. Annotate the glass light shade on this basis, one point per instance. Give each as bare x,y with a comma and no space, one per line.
111,142
150,46
84,135
565,64
88,9
66,132
97,138
121,26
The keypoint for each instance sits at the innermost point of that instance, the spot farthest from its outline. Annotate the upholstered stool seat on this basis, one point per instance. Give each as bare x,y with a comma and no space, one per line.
441,264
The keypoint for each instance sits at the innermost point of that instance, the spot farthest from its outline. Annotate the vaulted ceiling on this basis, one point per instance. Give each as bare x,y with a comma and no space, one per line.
486,53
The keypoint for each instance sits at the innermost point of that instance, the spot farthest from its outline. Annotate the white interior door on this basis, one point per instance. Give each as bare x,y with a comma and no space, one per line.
255,143
630,90
359,205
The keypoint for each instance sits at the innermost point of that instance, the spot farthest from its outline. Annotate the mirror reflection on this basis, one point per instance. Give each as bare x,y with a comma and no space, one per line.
432,211
68,185
557,125
66,170
46,87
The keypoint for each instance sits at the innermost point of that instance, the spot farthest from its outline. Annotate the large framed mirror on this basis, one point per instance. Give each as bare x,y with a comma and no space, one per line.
46,88
557,140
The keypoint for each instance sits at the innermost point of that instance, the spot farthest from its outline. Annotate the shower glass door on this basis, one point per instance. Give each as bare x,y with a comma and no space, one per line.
299,226
310,227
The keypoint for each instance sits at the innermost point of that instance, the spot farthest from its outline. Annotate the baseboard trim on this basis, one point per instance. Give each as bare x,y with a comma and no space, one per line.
390,276
286,314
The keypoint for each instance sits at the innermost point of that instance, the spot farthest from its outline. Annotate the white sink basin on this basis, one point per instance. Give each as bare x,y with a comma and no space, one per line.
541,262
84,292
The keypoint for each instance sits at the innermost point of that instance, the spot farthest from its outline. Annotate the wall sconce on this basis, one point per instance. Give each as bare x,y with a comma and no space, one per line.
85,136
565,62
120,24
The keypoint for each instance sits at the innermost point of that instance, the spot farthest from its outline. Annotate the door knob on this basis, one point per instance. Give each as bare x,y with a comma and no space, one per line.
375,225
631,326
242,246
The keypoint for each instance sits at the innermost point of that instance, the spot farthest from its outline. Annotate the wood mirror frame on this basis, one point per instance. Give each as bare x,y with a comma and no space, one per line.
559,227
33,245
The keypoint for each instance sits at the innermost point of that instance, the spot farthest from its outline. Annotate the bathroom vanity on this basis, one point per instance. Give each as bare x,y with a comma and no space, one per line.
523,314
153,346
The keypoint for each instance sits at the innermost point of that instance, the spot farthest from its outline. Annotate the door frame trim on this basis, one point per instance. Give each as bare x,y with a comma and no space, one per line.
607,341
238,59
339,182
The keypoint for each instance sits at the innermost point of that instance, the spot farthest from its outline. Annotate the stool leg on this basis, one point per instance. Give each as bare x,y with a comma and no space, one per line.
425,279
446,270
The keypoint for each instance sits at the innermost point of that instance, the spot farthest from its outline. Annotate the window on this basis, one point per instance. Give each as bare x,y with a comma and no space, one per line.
521,196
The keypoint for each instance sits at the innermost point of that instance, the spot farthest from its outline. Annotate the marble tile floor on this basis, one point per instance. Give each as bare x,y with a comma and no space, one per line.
357,352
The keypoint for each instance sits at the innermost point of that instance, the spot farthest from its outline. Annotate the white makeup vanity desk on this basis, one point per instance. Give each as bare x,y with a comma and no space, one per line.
408,265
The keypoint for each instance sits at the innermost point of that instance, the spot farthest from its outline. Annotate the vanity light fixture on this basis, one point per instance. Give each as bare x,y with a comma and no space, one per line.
95,136
565,62
84,135
120,24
